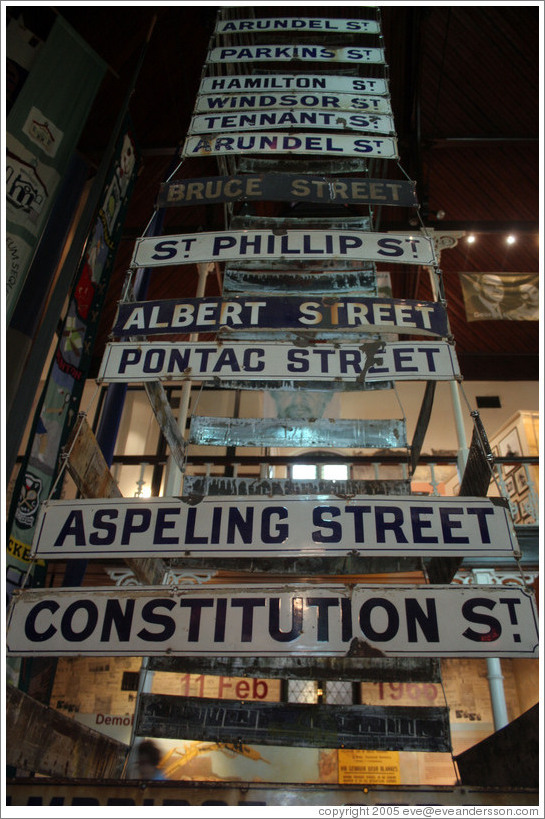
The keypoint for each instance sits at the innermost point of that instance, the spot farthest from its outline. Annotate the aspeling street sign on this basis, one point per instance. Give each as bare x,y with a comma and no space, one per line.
342,314
262,102
302,53
221,122
375,86
126,362
273,142
275,621
378,525
292,245
290,24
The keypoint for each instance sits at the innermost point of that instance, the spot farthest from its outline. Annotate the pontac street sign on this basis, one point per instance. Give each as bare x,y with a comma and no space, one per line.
367,315
304,526
295,82
287,53
262,102
275,620
275,143
125,362
295,245
221,122
307,24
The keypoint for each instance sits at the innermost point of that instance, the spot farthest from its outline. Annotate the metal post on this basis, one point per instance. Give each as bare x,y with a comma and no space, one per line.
494,674
463,450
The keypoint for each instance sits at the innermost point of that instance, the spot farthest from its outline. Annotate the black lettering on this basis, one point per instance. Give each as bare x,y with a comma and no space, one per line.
109,528
296,620
472,616
196,604
392,626
122,619
73,527
427,621
30,623
150,616
67,630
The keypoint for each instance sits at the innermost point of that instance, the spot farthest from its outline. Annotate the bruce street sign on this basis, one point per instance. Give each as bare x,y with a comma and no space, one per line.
264,245
274,527
279,361
280,620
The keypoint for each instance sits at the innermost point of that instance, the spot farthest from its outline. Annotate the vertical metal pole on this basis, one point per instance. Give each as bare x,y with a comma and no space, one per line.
494,675
463,450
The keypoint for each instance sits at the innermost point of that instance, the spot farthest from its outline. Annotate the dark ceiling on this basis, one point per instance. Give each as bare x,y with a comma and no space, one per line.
464,83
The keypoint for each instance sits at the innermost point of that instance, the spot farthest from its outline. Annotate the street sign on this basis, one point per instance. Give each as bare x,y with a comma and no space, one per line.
262,102
285,187
372,526
221,122
300,53
220,485
206,315
393,728
264,245
289,24
375,86
349,281
275,620
125,362
274,142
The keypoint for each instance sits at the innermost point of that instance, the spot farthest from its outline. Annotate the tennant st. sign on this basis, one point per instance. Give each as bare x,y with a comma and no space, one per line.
275,142
222,122
294,82
295,53
348,313
263,102
274,527
280,361
290,24
280,620
293,245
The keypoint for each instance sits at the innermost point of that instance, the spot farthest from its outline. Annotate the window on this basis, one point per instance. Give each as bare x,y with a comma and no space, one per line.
328,472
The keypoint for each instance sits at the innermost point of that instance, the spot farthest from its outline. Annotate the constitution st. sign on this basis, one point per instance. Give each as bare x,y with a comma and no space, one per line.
275,620
295,245
274,527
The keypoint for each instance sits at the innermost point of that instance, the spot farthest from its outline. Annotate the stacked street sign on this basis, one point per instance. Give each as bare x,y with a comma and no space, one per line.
289,136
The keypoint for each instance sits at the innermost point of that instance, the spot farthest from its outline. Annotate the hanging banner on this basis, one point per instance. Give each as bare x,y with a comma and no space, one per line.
301,53
370,361
200,485
280,313
393,728
307,24
356,283
237,245
295,82
275,143
281,620
501,296
262,102
273,118
42,131
269,527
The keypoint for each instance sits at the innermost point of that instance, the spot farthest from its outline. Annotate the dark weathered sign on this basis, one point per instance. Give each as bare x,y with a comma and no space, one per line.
288,53
308,726
200,485
351,282
290,24
349,313
262,102
274,142
220,122
287,187
294,82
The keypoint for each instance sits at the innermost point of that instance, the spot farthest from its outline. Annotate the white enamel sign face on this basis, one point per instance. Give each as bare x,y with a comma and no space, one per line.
327,101
294,82
286,53
280,361
273,527
272,142
294,24
295,245
276,621
224,122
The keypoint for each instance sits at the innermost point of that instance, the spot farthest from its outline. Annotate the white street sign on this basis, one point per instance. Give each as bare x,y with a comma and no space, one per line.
307,24
287,53
335,102
221,122
294,82
272,142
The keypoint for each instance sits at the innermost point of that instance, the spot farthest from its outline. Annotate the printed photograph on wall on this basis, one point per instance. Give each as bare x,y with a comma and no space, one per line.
500,296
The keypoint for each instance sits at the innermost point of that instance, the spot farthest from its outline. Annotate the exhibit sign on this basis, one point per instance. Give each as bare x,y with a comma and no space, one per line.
374,86
209,314
262,102
221,122
285,187
274,142
125,362
307,24
274,527
278,620
300,53
295,245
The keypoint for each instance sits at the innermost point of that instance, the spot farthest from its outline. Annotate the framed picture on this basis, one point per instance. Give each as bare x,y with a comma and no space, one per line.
510,445
510,485
521,480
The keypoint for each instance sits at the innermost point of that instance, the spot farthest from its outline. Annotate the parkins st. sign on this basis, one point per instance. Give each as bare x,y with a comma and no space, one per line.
295,245
295,82
288,53
275,620
280,361
368,315
274,527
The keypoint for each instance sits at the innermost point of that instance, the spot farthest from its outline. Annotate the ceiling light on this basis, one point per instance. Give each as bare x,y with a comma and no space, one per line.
470,239
511,239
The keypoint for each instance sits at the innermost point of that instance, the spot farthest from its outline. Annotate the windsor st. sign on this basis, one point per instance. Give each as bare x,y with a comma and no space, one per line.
349,313
275,620
274,142
295,245
295,82
262,102
274,527
125,362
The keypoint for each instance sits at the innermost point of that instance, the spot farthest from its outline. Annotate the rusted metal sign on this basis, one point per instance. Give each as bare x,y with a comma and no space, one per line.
374,86
124,362
290,24
281,527
264,245
200,485
298,53
280,187
367,315
320,432
275,620
274,142
358,283
262,102
221,122
309,726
